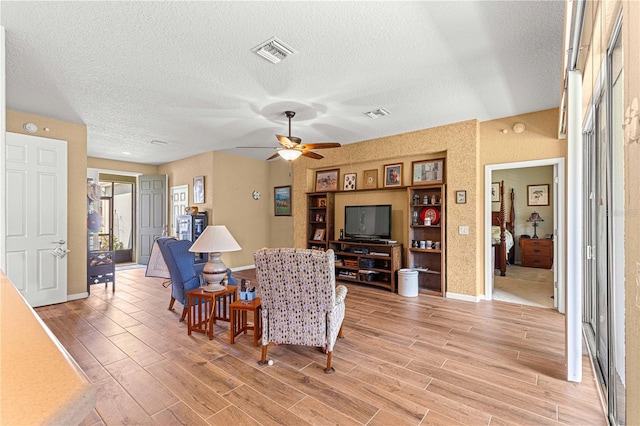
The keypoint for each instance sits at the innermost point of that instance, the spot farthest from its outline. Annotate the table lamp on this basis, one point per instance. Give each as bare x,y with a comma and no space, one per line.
535,218
215,240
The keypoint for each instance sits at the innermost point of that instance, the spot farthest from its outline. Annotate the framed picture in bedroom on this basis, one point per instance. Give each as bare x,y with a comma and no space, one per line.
495,192
371,179
538,195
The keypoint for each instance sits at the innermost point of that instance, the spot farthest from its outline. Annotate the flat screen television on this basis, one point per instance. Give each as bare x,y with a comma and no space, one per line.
371,222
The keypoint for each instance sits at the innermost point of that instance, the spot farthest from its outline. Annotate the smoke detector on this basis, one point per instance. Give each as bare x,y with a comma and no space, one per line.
380,112
273,50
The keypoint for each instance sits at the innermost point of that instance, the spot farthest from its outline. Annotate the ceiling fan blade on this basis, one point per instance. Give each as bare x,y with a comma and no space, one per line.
259,147
276,155
324,145
312,154
288,143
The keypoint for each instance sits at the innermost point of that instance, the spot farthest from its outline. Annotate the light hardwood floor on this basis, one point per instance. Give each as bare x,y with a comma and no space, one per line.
423,360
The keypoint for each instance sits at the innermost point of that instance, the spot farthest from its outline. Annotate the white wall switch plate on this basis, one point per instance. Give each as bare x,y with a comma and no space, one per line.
463,230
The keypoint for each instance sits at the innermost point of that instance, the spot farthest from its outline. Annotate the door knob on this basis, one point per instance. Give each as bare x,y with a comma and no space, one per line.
58,242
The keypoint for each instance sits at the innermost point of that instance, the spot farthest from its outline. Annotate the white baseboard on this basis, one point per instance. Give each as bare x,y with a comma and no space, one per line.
465,297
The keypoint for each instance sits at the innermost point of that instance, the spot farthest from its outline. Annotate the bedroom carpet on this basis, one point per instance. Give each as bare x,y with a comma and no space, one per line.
525,286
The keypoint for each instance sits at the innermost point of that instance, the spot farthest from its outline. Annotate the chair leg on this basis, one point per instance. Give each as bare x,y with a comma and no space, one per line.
171,302
184,314
263,360
329,368
340,336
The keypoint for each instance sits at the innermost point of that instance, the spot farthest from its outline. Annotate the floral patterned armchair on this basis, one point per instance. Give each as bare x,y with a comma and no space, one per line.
301,304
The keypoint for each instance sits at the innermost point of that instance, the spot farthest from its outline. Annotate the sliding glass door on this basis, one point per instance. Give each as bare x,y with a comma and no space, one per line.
603,301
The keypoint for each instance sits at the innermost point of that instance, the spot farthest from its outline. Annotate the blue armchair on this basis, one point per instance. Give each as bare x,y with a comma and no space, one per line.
185,274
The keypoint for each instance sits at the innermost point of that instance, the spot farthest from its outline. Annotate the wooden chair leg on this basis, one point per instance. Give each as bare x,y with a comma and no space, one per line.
184,314
263,360
171,302
329,368
340,336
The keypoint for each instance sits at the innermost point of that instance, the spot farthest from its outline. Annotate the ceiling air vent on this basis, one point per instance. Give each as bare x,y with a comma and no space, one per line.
273,50
380,112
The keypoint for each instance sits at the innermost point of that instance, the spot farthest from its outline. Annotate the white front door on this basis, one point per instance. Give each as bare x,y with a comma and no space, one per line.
36,217
152,213
179,202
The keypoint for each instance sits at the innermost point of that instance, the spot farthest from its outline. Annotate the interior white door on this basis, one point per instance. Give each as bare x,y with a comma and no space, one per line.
36,217
152,213
179,201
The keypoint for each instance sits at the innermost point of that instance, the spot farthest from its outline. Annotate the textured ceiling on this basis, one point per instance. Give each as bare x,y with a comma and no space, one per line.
184,73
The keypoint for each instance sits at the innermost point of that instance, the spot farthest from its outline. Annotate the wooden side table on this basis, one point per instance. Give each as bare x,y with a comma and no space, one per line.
205,307
239,325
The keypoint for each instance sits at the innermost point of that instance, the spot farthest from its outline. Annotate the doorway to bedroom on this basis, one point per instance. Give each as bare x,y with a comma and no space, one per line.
526,277
538,198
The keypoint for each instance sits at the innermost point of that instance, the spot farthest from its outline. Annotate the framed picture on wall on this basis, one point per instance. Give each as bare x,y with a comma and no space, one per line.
282,200
461,197
198,190
392,175
495,192
349,182
327,180
538,195
428,172
371,179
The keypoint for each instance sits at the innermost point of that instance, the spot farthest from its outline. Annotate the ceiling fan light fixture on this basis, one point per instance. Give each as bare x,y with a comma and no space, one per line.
380,112
273,50
290,154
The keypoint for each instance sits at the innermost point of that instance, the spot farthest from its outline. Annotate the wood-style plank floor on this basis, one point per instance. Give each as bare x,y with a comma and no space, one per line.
403,361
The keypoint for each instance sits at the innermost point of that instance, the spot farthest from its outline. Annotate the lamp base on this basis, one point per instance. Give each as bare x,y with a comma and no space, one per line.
214,271
535,230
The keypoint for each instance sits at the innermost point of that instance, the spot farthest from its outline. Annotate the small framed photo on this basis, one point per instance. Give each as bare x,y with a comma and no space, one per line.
371,179
198,190
327,180
322,202
318,234
461,197
495,192
538,195
428,172
392,175
282,200
349,182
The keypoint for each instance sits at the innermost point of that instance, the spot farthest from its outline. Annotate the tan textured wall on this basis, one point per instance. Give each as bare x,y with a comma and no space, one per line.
229,183
76,137
121,166
459,142
280,227
631,48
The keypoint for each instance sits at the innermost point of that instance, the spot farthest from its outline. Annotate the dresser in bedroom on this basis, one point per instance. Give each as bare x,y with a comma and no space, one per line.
537,252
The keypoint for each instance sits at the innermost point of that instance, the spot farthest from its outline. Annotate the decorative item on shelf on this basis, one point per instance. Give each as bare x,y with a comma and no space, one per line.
416,199
191,210
433,199
327,180
432,213
425,199
415,217
428,172
318,235
437,245
215,240
392,175
535,218
371,179
349,182
322,202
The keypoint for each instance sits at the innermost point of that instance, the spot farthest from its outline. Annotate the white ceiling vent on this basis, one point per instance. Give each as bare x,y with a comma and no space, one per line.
273,50
380,112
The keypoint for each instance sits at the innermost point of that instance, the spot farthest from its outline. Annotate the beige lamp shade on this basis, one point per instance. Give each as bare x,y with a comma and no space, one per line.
215,240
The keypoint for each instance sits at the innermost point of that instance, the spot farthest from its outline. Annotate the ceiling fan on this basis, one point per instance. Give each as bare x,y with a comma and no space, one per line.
292,147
